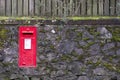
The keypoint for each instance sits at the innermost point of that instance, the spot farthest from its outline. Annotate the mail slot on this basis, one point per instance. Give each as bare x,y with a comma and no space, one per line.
27,46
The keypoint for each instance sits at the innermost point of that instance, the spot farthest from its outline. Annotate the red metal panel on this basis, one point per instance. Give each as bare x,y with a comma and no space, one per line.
27,46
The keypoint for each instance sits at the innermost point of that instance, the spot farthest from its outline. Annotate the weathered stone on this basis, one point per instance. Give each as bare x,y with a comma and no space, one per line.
42,36
114,78
51,56
66,47
75,68
42,57
71,34
79,51
60,73
94,59
118,44
8,59
35,78
104,33
10,51
86,34
108,46
99,72
13,76
48,27
83,78
2,56
100,78
94,49
66,77
1,69
82,43
64,52
109,52
60,65
118,52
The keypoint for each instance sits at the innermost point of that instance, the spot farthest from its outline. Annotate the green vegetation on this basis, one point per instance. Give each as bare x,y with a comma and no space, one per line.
57,18
3,36
93,18
116,34
94,64
111,67
66,58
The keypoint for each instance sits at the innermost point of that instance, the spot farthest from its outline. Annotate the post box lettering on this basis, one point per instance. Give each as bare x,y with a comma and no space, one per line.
27,46
27,43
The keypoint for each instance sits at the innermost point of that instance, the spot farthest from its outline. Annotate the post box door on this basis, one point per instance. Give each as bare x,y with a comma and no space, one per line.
27,46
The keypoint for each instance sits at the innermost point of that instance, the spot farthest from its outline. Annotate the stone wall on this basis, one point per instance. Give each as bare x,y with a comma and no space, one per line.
65,52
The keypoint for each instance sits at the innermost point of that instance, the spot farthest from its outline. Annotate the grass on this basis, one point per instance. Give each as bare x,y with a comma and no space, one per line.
93,18
58,18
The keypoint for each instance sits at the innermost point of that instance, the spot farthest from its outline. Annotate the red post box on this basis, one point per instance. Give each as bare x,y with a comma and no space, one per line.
27,46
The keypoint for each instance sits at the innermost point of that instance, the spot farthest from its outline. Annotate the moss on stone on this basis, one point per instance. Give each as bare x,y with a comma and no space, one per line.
85,39
88,45
81,57
73,53
54,60
115,34
58,38
111,67
66,58
94,64
3,35
79,34
52,47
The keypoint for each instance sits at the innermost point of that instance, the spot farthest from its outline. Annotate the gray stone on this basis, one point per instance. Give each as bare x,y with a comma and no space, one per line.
79,51
118,52
51,56
99,72
60,73
53,74
83,78
42,36
71,35
114,78
11,51
60,65
86,34
94,59
82,43
100,78
104,33
108,46
118,44
109,52
2,56
42,57
66,47
75,68
35,78
53,43
48,27
13,76
66,77
50,36
94,49
1,69
8,59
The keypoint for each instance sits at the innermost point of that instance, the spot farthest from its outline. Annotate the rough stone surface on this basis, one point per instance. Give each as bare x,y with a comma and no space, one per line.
94,49
83,78
64,52
99,72
104,33
118,52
